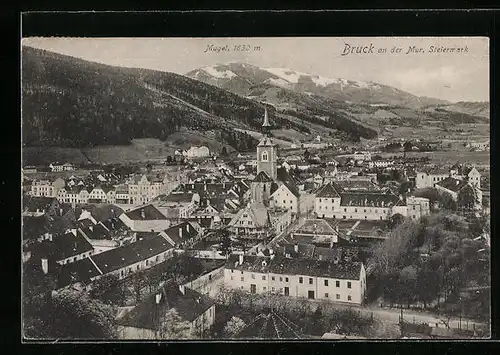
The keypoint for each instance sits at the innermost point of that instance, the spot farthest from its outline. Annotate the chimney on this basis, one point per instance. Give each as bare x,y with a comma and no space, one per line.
158,298
291,235
458,182
182,289
61,211
143,214
45,266
296,248
91,228
187,227
241,259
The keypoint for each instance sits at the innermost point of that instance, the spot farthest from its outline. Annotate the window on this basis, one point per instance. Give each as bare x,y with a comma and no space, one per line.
364,210
345,209
348,284
281,279
291,201
264,288
319,200
263,277
264,156
273,278
253,276
326,294
380,217
242,278
413,207
337,296
301,280
284,201
355,210
310,281
232,277
147,262
337,283
232,270
326,282
272,289
242,272
343,217
349,298
286,279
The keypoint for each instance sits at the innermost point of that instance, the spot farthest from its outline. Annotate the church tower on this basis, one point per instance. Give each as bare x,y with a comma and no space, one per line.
266,152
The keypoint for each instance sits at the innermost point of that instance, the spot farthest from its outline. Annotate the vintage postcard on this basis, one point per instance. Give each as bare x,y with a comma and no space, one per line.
255,188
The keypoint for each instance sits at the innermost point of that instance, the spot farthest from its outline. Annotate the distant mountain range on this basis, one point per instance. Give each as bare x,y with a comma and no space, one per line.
70,102
240,78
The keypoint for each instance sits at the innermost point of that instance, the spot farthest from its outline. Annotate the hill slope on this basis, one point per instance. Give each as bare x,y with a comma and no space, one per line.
69,102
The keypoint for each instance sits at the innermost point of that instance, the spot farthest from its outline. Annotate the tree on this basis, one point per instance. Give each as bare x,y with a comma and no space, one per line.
234,326
447,202
172,326
169,159
109,289
225,241
68,314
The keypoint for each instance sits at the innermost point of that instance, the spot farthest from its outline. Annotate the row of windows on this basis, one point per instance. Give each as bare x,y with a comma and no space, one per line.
301,280
350,217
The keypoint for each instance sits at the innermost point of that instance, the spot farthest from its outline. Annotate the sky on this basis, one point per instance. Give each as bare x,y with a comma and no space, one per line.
457,76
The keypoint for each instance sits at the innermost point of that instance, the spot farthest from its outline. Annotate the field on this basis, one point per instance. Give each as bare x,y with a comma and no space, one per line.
449,157
144,149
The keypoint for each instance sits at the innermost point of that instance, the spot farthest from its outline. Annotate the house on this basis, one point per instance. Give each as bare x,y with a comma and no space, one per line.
145,321
430,177
417,207
270,325
177,205
143,189
334,281
197,152
68,167
332,201
286,196
63,248
121,195
459,189
46,188
145,219
181,235
99,194
56,167
252,220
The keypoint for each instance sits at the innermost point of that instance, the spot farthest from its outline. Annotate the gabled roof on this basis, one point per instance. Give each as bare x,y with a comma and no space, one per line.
34,227
145,213
270,325
79,271
178,237
63,246
189,306
452,184
103,211
292,188
97,232
327,191
257,212
132,253
262,177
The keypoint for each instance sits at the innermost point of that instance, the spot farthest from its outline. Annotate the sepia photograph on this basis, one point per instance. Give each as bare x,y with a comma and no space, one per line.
255,188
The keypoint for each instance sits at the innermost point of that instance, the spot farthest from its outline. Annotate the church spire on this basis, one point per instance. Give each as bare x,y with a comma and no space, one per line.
266,123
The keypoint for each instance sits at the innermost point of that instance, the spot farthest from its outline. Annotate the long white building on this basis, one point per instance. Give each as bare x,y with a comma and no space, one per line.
341,281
